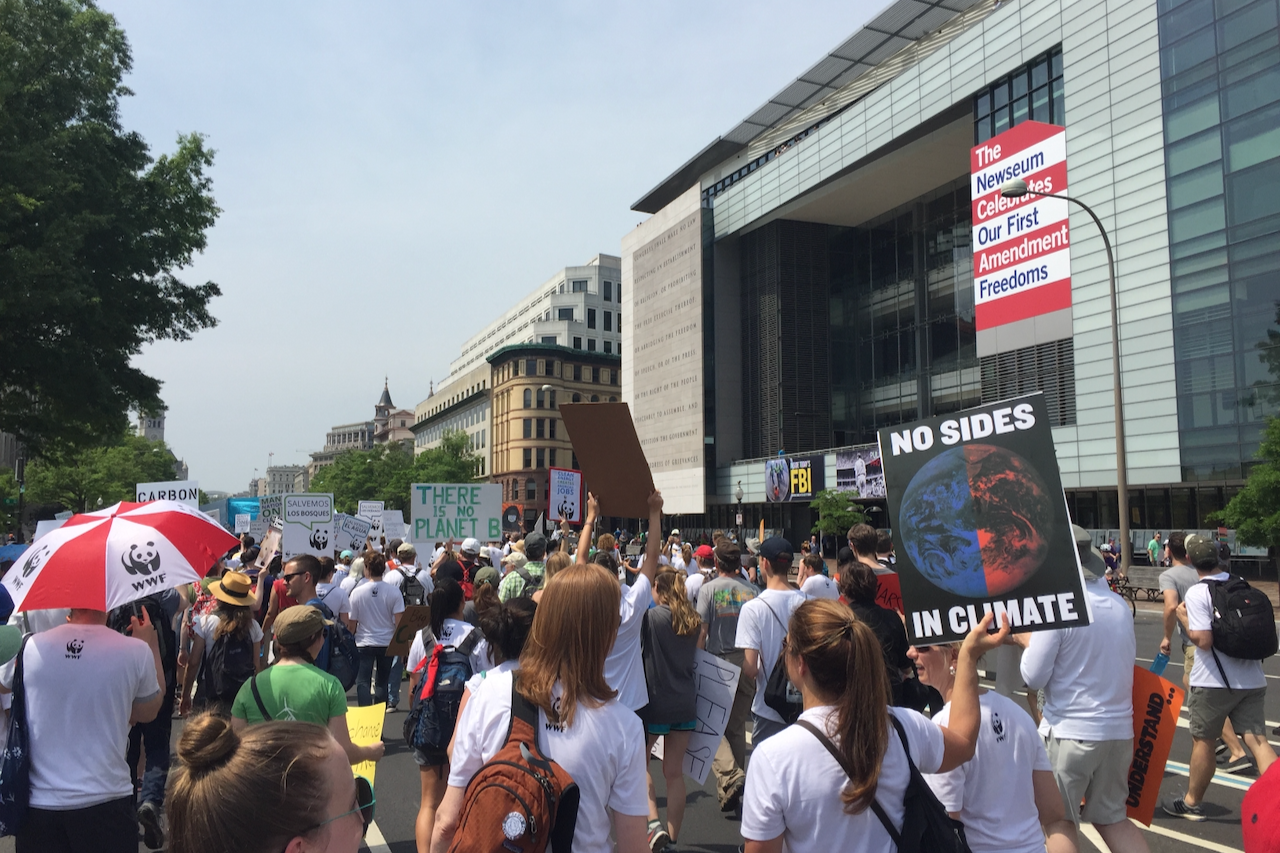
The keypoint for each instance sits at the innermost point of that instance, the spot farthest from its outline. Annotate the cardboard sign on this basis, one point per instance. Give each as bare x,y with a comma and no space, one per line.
610,456
308,525
242,522
269,548
1156,704
365,727
349,532
789,479
372,510
717,682
889,591
183,491
512,518
565,495
980,522
393,526
442,511
414,618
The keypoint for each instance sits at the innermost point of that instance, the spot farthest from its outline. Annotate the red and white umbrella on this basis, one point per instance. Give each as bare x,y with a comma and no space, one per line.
101,560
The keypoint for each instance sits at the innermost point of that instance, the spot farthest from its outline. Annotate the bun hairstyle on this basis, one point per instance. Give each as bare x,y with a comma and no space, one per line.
507,626
846,665
246,792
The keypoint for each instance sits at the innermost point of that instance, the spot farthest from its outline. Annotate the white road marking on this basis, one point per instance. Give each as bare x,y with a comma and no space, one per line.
1178,663
1087,830
1226,780
373,840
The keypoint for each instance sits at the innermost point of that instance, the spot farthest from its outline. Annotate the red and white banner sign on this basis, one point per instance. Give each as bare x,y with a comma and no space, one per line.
1021,246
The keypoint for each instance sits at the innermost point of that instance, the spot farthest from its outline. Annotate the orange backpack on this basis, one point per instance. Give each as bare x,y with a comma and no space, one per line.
520,800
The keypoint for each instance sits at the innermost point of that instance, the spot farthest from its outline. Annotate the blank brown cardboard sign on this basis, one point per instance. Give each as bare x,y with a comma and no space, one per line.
610,457
414,618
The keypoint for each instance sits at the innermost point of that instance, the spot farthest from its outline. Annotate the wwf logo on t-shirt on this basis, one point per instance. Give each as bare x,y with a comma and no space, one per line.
374,592
74,648
997,726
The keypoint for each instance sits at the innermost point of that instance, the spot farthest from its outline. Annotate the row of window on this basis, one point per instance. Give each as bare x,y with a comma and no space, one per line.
539,427
577,343
608,317
608,289
552,367
1032,92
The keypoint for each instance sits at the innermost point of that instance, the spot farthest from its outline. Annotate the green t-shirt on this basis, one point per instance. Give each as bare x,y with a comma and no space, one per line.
301,693
1153,549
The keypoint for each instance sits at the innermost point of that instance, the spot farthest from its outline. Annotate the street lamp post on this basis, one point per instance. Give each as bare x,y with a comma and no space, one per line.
1016,188
738,493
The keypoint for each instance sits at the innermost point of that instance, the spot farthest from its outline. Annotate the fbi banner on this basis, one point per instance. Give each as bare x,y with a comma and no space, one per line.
1156,703
789,479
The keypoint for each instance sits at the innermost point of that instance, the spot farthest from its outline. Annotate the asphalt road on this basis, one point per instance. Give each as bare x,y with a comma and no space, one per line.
707,830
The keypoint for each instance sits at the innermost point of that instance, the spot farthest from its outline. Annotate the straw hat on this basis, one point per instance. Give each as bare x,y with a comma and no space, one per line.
233,588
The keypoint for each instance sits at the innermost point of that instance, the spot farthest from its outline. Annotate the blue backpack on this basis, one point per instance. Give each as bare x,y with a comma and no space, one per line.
338,656
445,672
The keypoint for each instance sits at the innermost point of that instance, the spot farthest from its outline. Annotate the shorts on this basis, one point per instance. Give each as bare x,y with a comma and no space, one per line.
430,757
1188,659
1096,772
668,728
1211,706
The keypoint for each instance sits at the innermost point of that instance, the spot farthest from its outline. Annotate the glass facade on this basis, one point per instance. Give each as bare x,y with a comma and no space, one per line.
1220,72
1032,92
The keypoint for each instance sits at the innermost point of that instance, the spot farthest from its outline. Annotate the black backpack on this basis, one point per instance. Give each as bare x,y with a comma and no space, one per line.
434,714
227,666
926,826
532,583
779,693
119,620
1244,624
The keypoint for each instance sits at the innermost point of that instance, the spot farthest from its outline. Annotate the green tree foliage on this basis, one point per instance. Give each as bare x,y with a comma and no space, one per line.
91,230
836,512
1255,510
78,478
8,492
386,472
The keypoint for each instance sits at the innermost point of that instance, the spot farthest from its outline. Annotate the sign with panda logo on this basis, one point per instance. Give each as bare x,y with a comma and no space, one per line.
307,525
372,510
183,491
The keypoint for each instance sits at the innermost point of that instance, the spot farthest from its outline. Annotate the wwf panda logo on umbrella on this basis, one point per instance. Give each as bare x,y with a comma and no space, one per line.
141,559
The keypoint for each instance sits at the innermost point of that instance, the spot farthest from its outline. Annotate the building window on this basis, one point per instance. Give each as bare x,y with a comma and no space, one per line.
617,380
528,427
591,318
619,291
606,291
515,368
551,458
608,347
528,458
608,321
531,367
1033,92
577,373
541,398
577,343
577,398
549,339
551,399
542,458
595,375
530,488
580,285
551,428
613,399
564,313
542,427
528,398
591,344
595,398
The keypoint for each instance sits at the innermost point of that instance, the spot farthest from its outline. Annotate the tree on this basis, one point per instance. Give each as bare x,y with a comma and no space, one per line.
79,478
386,472
1255,510
836,512
92,230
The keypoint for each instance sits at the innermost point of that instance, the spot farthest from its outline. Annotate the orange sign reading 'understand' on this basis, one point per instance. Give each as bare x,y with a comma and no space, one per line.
1156,703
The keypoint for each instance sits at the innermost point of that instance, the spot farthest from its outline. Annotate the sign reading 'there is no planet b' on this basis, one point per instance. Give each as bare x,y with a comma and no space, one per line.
442,511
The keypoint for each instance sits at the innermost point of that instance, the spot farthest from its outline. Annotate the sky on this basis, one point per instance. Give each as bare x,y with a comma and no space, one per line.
395,175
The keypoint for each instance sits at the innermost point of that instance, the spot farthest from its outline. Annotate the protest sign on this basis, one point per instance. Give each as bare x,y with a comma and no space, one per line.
610,456
888,591
564,495
349,532
858,470
270,547
793,479
980,523
183,491
393,526
47,526
1156,704
441,511
512,517
717,682
308,525
414,618
242,522
365,727
372,510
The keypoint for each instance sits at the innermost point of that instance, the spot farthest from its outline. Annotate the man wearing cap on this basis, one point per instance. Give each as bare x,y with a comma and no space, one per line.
468,555
343,568
720,603
535,549
705,559
85,685
762,624
1222,687
1086,673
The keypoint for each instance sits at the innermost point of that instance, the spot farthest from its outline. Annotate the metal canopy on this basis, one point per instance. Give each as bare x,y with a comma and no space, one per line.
898,26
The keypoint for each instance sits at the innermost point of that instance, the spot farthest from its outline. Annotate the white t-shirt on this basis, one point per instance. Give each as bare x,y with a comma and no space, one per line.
759,629
820,586
350,582
993,791
1087,672
205,627
473,683
794,786
624,668
39,621
452,632
1241,674
81,683
334,597
395,577
375,606
603,751
693,585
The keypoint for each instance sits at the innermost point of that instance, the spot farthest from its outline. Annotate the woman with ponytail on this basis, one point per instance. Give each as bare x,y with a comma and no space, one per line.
670,643
270,788
797,792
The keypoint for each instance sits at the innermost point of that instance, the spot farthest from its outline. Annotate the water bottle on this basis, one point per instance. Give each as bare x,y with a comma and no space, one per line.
1158,665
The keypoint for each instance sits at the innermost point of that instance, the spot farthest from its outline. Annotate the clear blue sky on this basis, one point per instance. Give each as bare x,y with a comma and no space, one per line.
393,175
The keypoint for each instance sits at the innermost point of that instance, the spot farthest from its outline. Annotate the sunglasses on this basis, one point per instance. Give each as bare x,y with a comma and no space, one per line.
293,575
365,801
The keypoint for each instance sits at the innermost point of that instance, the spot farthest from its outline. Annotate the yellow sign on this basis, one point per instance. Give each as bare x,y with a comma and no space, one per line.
365,727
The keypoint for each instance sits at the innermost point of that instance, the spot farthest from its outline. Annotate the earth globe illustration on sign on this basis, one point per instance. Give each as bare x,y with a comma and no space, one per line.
977,520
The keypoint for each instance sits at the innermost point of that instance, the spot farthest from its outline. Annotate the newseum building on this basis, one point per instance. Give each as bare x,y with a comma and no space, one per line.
842,260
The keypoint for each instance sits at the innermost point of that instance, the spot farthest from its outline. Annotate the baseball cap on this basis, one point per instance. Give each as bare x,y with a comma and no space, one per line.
535,542
728,552
487,574
1260,813
1202,553
515,559
470,546
704,552
775,547
345,554
298,623
406,548
675,532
